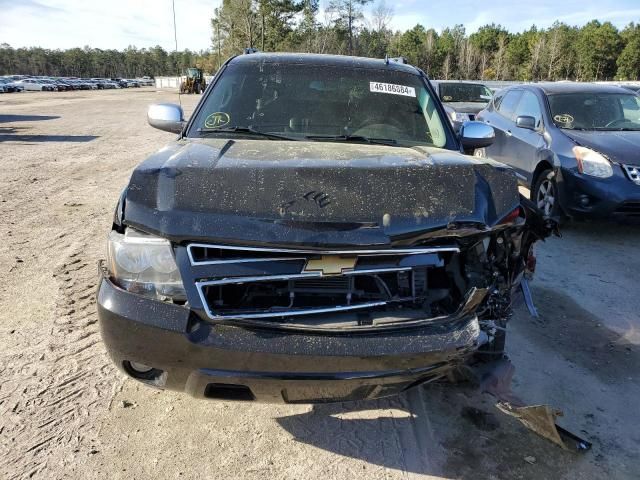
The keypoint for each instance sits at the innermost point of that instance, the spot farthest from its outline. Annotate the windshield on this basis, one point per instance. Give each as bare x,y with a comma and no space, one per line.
322,103
464,92
595,111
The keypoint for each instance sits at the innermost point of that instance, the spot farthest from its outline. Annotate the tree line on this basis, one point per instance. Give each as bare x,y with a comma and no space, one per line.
93,62
595,51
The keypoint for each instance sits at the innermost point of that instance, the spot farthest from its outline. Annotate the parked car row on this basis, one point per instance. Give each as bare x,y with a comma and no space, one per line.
9,86
573,145
18,83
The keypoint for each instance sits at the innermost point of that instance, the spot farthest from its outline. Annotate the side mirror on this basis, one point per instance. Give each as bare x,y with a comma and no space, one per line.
166,116
525,121
476,135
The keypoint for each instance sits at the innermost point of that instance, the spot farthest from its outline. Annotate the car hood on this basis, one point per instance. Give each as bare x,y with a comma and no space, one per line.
464,107
313,193
618,146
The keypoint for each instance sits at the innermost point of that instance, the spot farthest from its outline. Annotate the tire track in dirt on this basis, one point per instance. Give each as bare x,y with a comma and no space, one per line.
48,402
416,439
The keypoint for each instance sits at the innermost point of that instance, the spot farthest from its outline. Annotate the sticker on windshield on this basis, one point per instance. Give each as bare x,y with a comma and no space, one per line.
564,118
216,120
378,87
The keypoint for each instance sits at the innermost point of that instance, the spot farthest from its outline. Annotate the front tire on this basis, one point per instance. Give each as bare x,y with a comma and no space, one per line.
545,194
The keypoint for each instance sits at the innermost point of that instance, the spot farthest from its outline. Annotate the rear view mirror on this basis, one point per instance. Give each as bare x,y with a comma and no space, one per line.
526,121
476,135
166,116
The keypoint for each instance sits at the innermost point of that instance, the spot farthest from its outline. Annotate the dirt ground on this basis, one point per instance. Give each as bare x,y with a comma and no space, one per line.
65,412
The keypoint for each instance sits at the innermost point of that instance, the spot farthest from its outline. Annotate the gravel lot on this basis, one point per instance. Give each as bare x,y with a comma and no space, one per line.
65,412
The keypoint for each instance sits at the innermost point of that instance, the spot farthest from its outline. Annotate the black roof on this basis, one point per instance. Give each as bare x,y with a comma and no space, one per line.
551,88
323,60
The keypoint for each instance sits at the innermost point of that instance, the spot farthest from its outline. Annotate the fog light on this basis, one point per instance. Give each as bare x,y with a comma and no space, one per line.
145,373
584,200
140,367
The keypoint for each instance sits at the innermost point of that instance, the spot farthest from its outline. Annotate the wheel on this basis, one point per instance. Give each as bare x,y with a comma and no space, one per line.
545,194
196,88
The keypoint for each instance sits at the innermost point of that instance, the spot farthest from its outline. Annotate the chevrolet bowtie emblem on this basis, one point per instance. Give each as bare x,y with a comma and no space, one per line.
330,264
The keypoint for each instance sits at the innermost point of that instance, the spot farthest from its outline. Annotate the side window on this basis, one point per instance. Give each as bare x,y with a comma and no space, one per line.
530,107
509,103
631,107
497,98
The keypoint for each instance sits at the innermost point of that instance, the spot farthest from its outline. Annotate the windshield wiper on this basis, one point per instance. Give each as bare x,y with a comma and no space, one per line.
353,138
602,129
616,129
246,131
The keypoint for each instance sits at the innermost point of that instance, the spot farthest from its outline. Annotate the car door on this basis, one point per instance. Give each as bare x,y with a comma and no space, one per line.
503,122
524,142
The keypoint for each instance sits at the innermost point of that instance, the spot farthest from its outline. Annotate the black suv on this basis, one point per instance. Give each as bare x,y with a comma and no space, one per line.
314,234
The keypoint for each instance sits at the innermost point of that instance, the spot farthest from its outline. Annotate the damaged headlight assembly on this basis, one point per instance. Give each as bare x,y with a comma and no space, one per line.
144,264
592,163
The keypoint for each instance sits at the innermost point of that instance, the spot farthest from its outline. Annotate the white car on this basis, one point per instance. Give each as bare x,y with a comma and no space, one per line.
36,85
146,81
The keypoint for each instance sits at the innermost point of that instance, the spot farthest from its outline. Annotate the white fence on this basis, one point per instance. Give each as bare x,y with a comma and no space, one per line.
174,82
168,82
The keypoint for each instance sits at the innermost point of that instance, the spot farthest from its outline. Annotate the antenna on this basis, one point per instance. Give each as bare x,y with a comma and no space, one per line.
175,37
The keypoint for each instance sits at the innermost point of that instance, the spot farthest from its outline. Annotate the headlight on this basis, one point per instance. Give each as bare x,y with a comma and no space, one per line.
592,163
459,117
144,264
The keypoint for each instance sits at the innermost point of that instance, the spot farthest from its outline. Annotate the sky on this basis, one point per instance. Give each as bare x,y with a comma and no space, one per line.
145,23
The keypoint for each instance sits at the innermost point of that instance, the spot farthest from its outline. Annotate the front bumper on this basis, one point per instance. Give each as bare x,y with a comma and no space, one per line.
614,196
227,362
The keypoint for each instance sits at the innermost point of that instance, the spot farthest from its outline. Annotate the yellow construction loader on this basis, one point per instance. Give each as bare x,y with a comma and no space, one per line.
194,82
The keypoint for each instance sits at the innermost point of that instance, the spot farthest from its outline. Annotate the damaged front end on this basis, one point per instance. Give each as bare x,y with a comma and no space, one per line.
460,271
355,278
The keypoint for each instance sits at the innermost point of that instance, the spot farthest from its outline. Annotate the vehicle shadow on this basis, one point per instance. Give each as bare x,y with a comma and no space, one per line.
595,264
26,118
453,431
47,138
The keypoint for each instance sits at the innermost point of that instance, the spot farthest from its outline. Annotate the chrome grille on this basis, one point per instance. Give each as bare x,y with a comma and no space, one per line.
372,278
633,172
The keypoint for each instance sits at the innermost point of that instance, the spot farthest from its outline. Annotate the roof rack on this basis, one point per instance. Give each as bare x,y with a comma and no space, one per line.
250,50
401,60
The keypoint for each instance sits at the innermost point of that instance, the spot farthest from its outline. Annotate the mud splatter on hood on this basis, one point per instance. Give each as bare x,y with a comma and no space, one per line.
312,193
